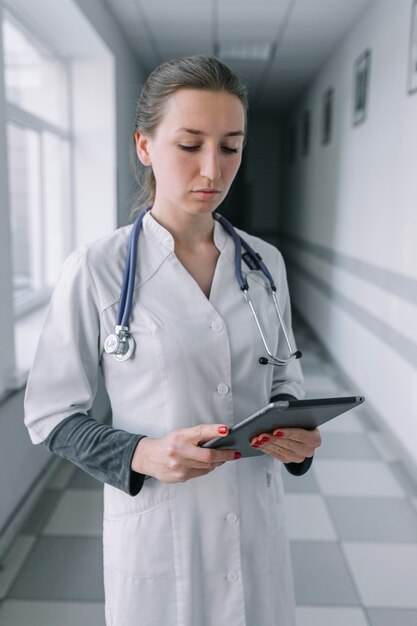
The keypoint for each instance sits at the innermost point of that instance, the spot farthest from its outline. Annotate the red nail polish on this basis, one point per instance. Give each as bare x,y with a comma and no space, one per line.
237,455
222,430
279,433
255,445
264,439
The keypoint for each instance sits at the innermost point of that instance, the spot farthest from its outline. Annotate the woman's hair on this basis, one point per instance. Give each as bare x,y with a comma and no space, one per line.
194,72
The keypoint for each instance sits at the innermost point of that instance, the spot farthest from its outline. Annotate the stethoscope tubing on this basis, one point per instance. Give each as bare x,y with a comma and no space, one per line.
128,288
128,285
239,243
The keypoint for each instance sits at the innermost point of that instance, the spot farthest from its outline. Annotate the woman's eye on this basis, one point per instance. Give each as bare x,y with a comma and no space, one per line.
194,148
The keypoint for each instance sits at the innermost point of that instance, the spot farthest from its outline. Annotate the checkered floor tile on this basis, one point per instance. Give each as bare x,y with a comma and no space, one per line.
352,523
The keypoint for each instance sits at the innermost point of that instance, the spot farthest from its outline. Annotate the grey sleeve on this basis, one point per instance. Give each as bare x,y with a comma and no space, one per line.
296,469
100,450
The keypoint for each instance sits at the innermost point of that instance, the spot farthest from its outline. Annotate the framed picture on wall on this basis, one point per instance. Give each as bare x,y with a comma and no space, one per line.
305,137
412,65
327,116
361,87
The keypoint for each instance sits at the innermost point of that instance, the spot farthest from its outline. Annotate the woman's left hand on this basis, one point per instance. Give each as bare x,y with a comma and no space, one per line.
289,445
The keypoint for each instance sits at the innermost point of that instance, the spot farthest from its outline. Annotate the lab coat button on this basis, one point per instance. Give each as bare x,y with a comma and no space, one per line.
232,577
231,518
217,326
222,389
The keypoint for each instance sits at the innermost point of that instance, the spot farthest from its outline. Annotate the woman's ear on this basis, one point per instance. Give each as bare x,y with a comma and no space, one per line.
142,148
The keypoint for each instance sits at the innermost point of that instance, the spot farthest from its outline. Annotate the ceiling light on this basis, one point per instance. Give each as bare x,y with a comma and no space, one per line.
245,51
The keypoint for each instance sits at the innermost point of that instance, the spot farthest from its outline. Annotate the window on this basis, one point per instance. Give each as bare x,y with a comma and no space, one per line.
35,77
38,147
58,186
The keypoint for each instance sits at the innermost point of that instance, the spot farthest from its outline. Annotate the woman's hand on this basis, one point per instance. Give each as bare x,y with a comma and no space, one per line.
289,445
177,457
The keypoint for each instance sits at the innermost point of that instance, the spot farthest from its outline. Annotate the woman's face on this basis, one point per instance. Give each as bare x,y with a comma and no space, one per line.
196,146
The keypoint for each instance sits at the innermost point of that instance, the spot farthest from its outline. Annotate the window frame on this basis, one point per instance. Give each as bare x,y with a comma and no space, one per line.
16,313
14,114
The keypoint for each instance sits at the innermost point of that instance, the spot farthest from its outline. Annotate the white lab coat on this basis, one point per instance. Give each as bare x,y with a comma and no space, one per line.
212,550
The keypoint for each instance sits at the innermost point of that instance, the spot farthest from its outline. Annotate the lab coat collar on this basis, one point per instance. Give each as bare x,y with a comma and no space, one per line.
220,236
158,244
162,236
157,233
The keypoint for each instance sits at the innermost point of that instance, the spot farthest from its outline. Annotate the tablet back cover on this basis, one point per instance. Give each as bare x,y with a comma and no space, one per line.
307,414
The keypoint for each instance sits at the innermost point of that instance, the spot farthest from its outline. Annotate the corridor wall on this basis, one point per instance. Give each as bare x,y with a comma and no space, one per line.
350,221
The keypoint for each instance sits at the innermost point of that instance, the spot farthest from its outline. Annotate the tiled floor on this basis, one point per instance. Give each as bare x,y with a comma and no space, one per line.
352,522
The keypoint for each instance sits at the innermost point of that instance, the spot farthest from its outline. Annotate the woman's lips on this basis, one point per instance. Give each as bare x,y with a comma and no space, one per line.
206,194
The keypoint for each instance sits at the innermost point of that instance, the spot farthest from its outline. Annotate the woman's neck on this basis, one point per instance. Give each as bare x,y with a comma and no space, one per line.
189,230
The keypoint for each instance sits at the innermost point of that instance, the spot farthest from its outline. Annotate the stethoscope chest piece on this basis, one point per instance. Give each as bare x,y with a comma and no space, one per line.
120,344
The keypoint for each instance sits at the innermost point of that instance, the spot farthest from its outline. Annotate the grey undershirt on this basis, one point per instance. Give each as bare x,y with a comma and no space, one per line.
106,453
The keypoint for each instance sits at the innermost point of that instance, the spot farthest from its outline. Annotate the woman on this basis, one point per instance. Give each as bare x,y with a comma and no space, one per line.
202,542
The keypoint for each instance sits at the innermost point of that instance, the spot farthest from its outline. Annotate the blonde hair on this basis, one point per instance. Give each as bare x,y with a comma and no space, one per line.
194,72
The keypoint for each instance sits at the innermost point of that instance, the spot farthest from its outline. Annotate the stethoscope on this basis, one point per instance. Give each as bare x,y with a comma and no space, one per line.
121,343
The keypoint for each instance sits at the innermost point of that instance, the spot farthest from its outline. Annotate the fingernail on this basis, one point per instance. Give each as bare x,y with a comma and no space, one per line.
255,445
237,455
222,430
264,439
279,433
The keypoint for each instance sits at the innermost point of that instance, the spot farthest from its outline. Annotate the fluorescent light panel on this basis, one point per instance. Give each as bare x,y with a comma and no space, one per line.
245,51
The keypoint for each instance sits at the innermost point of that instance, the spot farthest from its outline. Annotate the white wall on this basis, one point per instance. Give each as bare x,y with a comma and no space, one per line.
94,158
351,221
129,80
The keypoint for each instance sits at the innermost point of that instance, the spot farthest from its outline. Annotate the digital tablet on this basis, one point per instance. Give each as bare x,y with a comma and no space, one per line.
307,414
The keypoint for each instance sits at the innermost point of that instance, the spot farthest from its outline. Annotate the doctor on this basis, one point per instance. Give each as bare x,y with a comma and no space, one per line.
192,536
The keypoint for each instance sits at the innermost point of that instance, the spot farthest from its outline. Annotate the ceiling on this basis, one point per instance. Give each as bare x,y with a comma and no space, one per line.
301,35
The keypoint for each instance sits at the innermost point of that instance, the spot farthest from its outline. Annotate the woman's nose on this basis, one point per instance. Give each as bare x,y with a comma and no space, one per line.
210,165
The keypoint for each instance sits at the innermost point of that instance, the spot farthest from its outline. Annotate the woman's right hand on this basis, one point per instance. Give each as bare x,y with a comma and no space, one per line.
177,457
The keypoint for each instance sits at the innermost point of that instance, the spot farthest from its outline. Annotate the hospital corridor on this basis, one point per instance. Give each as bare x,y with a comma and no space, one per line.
325,172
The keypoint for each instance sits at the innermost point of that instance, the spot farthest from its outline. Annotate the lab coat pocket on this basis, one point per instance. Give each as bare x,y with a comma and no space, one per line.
137,531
